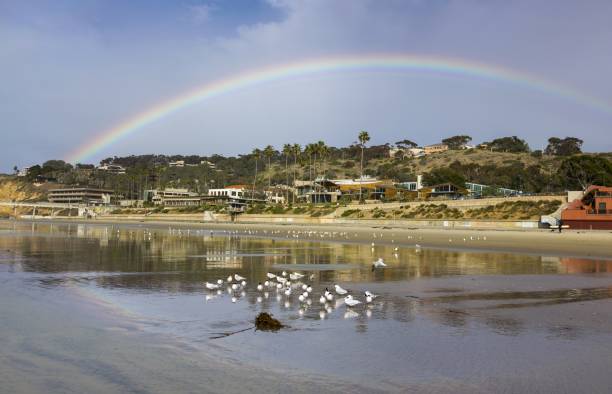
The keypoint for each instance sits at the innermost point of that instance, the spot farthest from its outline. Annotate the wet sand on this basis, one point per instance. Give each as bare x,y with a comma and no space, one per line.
589,244
123,308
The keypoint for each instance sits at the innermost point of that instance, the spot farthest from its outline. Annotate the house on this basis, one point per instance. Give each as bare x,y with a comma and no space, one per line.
435,148
412,186
172,197
24,171
235,191
111,169
81,195
446,191
593,211
178,163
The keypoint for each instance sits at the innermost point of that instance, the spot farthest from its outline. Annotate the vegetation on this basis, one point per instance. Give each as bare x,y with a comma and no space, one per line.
457,142
507,162
508,210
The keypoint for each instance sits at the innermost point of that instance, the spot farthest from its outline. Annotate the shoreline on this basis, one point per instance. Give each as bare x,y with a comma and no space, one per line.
570,243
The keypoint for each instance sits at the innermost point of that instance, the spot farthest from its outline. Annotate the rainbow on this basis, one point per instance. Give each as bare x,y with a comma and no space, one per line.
373,62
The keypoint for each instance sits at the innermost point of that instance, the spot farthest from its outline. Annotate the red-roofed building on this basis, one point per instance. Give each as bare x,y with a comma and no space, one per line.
591,212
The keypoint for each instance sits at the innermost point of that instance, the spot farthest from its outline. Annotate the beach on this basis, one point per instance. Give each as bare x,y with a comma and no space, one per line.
591,244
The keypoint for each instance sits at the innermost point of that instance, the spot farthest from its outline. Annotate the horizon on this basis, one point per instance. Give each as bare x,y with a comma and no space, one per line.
86,81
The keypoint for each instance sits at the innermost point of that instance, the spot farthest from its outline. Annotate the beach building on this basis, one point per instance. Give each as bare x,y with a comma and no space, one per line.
592,211
81,195
235,191
172,197
446,191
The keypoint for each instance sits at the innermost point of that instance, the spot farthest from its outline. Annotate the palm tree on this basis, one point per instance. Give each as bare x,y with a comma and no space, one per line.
257,154
287,150
268,153
363,137
297,150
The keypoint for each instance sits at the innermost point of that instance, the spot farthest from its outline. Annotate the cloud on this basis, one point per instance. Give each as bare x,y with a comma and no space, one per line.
201,12
71,70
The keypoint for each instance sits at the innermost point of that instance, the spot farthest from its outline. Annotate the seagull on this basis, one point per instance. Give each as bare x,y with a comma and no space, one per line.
282,280
296,276
238,278
259,287
309,289
219,281
211,286
267,283
284,273
288,292
243,283
328,296
301,298
340,290
270,276
322,300
350,301
304,286
378,264
229,279
371,295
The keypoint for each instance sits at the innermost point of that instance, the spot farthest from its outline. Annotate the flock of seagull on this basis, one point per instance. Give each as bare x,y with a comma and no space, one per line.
290,284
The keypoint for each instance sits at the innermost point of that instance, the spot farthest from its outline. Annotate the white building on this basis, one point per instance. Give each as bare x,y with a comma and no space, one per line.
236,191
24,171
112,168
178,163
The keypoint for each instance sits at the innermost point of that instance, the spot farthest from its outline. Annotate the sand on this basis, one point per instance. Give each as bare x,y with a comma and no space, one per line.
583,244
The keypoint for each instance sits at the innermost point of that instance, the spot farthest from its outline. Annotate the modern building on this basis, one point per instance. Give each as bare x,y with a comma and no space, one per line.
446,191
591,212
331,190
81,195
477,190
172,197
178,163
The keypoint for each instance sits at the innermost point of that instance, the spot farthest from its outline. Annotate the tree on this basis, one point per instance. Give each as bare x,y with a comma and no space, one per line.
268,153
564,147
509,144
406,144
15,169
257,154
363,137
296,150
582,171
443,175
287,150
457,142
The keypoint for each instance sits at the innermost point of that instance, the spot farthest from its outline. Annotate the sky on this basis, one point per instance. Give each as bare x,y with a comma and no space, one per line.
70,70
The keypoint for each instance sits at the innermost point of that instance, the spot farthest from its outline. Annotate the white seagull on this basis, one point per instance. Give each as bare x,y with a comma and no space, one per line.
350,301
340,290
378,264
260,287
211,286
270,276
239,278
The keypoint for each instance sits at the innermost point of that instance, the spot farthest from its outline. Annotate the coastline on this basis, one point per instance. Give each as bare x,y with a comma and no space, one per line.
569,243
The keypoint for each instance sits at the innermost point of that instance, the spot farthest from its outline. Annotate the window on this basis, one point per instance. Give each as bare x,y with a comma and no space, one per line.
602,208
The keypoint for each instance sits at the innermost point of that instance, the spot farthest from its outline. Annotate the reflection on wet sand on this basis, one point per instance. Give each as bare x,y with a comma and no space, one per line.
436,308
